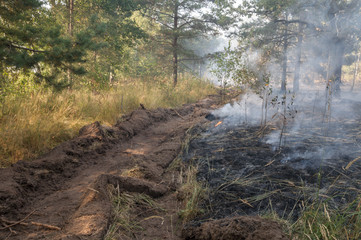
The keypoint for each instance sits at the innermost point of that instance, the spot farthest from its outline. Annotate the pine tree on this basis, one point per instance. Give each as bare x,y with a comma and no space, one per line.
113,32
58,42
281,28
180,20
29,41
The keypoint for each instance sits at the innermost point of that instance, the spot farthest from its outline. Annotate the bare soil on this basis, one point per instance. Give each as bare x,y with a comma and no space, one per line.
236,228
67,188
65,193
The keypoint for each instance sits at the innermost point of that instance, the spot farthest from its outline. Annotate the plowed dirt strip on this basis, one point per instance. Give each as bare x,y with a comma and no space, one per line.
64,195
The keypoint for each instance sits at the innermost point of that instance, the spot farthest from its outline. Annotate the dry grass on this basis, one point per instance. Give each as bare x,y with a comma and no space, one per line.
192,193
32,124
320,221
123,224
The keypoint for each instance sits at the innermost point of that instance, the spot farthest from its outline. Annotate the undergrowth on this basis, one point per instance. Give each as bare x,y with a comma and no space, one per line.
192,193
32,124
320,221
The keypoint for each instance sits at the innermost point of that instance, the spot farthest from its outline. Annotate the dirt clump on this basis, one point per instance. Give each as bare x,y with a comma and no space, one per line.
236,228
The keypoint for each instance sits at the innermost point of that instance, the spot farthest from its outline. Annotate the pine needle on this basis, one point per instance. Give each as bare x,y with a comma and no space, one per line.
352,162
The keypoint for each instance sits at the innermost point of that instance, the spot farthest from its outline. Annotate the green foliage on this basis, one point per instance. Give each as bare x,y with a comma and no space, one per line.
115,31
31,43
232,66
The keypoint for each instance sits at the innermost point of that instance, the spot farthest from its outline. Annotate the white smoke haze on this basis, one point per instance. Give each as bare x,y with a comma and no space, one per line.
323,132
313,125
247,110
315,133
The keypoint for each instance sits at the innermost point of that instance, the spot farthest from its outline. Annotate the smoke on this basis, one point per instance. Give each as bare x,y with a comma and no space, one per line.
199,49
320,35
246,110
309,131
321,133
320,123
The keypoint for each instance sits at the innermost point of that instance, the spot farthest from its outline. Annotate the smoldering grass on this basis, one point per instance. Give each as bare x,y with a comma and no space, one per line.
177,163
191,192
319,211
244,182
319,217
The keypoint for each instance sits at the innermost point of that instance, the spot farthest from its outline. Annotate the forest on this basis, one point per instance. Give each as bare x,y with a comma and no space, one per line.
284,77
52,48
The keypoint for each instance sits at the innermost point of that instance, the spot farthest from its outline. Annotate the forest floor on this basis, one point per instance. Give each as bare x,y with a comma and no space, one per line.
185,173
114,182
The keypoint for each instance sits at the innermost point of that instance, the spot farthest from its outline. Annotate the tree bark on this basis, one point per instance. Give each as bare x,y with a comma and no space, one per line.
175,45
355,71
70,23
337,46
52,3
70,32
337,56
111,75
296,80
285,59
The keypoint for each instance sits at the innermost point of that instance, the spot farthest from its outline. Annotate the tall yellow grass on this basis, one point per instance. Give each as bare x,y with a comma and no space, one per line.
33,124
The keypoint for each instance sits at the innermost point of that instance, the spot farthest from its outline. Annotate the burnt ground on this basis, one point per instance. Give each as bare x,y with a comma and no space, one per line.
247,175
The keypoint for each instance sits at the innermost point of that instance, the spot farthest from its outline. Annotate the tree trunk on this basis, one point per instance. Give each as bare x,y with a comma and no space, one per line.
70,23
175,46
3,79
337,51
175,66
52,3
70,32
111,75
296,80
337,56
355,71
200,69
285,59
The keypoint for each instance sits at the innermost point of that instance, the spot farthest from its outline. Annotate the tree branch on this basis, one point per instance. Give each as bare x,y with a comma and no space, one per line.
25,48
